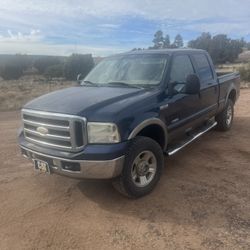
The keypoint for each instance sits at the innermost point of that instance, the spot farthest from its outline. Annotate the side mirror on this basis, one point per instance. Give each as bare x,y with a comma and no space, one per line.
79,78
193,85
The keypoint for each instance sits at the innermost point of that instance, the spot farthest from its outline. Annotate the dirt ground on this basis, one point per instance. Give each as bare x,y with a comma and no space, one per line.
201,202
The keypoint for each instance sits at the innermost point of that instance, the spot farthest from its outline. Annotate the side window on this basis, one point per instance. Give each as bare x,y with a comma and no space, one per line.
203,67
181,68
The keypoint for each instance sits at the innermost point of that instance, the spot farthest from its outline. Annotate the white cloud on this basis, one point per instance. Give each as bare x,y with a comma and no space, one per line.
39,48
152,9
32,43
32,22
238,29
32,36
161,11
109,25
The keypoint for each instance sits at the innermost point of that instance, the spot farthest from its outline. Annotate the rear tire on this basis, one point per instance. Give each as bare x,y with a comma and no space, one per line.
142,168
225,118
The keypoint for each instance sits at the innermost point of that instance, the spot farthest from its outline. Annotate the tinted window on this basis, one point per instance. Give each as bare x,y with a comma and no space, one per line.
203,67
181,68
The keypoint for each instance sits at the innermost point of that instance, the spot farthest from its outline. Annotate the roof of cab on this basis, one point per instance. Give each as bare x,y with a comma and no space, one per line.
161,51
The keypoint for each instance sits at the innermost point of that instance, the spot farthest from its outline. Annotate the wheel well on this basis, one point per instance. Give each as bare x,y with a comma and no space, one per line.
232,95
154,132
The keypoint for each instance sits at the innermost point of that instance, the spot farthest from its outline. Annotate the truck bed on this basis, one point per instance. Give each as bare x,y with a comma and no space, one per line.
226,76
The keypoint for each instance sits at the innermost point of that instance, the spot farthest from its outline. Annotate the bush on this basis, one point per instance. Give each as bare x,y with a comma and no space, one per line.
11,72
245,73
13,66
54,71
221,48
43,62
78,64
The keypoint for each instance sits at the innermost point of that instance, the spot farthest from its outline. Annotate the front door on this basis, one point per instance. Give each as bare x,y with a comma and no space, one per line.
182,108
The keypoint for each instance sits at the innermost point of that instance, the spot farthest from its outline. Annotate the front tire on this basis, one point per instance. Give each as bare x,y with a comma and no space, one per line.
225,118
142,168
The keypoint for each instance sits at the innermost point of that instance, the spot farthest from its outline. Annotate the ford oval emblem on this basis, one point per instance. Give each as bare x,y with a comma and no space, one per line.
42,130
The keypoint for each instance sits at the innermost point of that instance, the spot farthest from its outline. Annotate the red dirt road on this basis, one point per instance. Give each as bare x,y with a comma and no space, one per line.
201,202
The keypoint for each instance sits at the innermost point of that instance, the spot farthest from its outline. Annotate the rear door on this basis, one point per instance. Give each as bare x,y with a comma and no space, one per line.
209,86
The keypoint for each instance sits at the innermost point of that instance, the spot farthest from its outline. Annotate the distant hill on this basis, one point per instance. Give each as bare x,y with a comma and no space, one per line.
30,59
15,66
4,58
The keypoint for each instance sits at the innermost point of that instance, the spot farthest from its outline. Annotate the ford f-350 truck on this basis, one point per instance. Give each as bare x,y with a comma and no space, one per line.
129,111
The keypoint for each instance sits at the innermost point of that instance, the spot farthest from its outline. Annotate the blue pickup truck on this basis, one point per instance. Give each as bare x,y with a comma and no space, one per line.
129,111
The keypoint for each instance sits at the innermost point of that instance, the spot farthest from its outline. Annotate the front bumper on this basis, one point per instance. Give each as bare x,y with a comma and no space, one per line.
82,169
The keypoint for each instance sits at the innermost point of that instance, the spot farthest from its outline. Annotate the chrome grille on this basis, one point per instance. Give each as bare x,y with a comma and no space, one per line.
54,130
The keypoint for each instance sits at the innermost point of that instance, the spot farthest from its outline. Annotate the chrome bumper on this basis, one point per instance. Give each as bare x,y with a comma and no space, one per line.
86,169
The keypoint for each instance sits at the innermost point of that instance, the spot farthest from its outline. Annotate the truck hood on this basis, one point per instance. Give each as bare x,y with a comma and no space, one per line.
79,100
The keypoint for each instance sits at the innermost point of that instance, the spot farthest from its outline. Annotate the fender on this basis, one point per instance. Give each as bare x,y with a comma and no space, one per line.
223,97
232,87
147,122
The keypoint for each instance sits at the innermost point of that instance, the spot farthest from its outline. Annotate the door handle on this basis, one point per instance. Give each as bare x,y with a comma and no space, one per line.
165,106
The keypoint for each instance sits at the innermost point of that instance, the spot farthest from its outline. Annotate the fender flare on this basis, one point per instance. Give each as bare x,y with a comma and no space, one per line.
232,87
148,122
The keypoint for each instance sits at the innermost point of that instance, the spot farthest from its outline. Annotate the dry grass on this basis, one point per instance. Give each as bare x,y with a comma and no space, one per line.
244,57
233,67
230,67
14,94
242,61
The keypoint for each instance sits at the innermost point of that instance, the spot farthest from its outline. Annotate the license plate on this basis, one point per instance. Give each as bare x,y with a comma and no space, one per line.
41,166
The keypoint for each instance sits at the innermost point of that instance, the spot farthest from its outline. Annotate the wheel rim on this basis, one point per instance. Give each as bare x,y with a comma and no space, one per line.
144,168
229,115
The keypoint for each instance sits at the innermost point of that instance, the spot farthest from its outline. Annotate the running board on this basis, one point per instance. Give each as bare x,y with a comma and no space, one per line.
192,137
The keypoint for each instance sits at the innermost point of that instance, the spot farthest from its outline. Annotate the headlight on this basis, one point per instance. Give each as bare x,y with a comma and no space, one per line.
102,132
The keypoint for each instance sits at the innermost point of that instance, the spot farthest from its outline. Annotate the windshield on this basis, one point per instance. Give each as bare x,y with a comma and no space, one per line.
138,70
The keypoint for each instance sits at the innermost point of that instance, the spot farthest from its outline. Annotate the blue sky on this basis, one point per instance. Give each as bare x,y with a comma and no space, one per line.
104,27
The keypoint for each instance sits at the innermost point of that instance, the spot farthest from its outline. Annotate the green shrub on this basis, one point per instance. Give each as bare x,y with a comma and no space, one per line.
245,73
43,62
11,72
13,66
221,48
54,71
78,64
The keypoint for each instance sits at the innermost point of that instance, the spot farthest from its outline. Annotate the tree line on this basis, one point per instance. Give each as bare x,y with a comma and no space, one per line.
161,41
221,48
15,66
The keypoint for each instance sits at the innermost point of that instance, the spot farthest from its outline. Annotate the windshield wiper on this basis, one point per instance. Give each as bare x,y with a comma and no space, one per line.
89,82
124,84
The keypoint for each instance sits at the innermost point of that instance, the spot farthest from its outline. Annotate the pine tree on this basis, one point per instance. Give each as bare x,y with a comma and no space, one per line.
158,40
166,42
178,41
